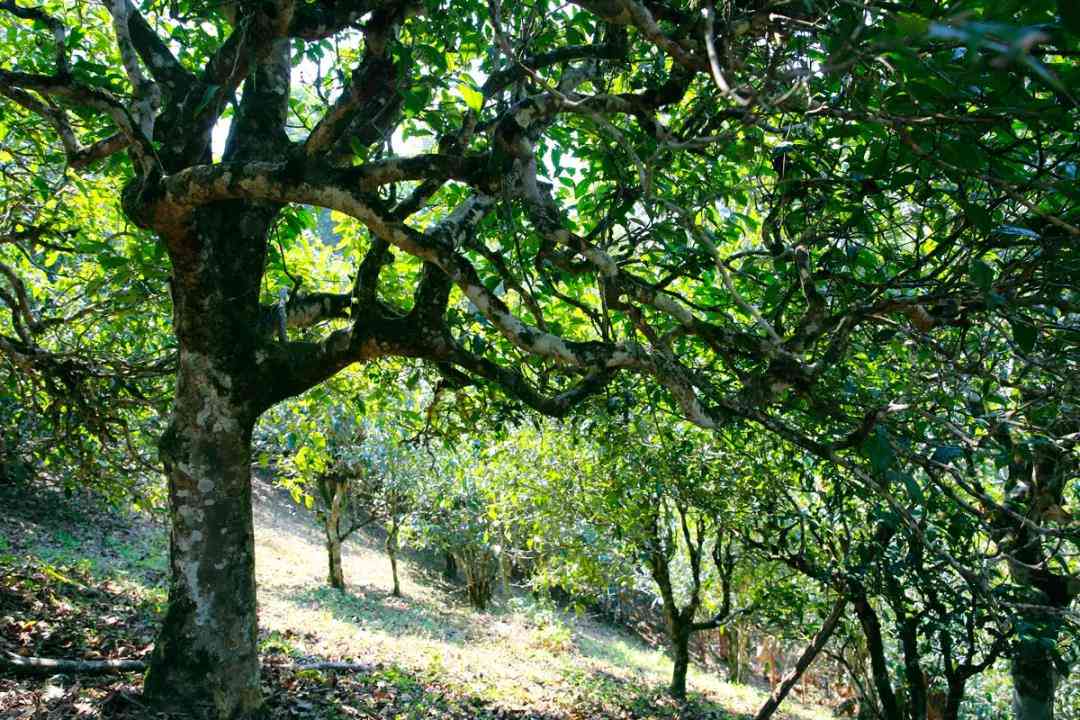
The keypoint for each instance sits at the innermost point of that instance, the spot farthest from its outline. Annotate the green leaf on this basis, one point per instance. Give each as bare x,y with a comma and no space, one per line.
1025,334
416,98
473,98
982,275
879,450
947,453
913,489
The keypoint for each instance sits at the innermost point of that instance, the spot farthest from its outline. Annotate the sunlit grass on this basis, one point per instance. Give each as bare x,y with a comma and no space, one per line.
522,654
518,654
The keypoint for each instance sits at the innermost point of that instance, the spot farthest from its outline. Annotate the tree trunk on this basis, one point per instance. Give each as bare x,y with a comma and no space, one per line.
1033,487
872,631
680,653
736,659
391,550
913,672
449,566
336,576
953,699
206,658
1034,680
807,657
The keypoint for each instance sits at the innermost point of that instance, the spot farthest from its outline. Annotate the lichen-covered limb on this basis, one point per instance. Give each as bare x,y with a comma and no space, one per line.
199,185
501,79
439,249
641,15
369,107
146,92
47,667
318,20
155,54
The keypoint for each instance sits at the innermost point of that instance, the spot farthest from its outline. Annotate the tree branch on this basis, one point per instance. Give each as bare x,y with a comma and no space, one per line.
45,667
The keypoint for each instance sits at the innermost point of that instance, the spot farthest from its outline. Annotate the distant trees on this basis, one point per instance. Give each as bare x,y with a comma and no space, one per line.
455,518
670,500
352,472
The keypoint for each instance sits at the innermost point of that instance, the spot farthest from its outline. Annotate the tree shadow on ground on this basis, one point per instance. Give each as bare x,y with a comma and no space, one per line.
393,692
374,609
48,524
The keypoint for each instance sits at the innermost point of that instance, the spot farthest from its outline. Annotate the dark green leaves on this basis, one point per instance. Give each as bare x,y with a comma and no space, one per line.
878,450
982,275
1069,11
1024,333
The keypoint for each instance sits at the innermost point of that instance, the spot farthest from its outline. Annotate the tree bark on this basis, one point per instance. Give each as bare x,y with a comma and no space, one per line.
953,698
206,658
45,667
391,551
807,657
449,566
336,576
913,672
680,653
872,630
1034,486
1034,680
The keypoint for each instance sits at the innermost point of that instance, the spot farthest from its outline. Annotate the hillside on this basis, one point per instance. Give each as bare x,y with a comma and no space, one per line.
82,581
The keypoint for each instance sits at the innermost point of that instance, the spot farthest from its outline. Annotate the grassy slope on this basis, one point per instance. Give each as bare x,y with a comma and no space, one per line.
75,582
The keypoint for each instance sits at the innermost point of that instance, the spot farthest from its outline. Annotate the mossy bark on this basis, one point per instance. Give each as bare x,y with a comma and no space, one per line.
680,654
206,659
336,576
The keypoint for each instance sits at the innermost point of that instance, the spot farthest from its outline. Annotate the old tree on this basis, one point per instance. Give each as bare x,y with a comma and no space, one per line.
852,226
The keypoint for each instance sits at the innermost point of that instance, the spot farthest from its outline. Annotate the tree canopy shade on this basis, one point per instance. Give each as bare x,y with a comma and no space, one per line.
851,225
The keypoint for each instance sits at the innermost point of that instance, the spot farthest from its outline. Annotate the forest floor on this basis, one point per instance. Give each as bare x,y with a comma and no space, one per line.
82,581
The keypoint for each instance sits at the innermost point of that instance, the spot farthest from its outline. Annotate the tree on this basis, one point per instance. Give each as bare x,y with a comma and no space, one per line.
347,462
735,205
454,518
665,499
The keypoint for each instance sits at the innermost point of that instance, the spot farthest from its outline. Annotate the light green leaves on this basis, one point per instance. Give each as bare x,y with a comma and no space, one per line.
472,97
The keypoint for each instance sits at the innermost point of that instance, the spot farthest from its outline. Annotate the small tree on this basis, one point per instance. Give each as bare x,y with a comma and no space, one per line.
455,521
352,473
386,486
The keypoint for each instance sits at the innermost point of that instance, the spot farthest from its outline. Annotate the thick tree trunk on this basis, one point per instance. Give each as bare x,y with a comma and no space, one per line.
807,657
1034,680
206,659
1032,489
680,654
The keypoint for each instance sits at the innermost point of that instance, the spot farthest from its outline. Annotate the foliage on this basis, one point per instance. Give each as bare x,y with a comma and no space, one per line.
840,237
